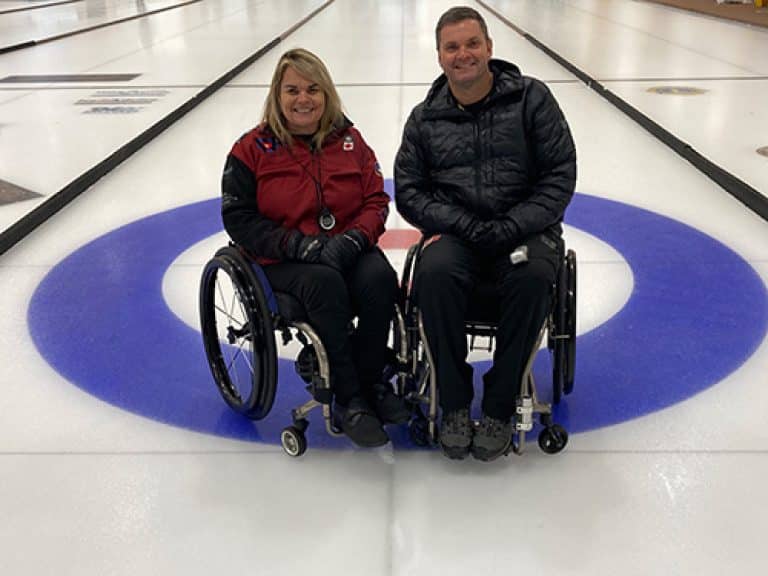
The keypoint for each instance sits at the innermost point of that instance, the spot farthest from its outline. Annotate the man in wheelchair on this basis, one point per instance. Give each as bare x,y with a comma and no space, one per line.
486,169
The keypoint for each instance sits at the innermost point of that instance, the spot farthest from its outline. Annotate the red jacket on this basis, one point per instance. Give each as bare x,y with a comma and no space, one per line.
269,189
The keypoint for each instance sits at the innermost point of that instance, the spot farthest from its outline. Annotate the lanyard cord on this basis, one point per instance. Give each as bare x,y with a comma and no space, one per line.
317,181
325,217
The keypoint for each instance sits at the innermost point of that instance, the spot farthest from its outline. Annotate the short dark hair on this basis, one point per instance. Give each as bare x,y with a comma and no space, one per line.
458,14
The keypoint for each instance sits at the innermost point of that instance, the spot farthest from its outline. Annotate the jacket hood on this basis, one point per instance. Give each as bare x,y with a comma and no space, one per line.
507,80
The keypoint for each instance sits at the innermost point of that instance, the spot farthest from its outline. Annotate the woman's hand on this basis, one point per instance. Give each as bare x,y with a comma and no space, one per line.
342,251
308,248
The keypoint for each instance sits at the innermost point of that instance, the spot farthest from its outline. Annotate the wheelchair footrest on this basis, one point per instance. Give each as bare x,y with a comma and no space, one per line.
524,414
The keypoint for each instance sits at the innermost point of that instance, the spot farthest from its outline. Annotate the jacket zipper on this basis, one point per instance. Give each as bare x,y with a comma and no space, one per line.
478,159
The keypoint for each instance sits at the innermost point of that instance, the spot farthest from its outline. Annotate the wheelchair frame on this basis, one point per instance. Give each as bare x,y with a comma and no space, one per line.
248,319
417,379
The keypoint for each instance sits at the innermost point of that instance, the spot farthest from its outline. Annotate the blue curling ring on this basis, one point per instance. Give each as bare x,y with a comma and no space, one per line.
696,313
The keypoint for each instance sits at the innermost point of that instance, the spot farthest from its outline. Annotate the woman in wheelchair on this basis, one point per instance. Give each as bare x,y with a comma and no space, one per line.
303,195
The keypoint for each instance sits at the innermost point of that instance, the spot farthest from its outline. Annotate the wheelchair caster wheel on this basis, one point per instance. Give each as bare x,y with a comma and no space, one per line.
553,439
294,442
417,430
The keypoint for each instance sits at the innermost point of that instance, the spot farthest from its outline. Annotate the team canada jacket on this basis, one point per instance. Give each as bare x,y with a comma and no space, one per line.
270,190
510,162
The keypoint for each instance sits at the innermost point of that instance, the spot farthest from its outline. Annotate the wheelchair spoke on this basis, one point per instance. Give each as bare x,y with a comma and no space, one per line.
227,309
232,369
242,358
234,300
234,373
254,337
231,318
220,290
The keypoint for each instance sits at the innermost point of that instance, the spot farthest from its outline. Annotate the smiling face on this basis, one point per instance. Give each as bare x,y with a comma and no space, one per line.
302,102
463,54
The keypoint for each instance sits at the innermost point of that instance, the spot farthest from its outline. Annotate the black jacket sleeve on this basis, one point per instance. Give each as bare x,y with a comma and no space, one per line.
247,227
413,192
553,165
552,157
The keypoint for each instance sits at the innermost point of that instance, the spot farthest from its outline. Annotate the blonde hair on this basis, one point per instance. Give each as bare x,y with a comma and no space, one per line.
312,68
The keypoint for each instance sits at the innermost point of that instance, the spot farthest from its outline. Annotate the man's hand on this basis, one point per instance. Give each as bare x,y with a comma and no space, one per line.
499,234
480,233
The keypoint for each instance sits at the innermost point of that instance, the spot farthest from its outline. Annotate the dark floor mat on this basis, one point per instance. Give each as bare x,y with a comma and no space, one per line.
747,13
10,193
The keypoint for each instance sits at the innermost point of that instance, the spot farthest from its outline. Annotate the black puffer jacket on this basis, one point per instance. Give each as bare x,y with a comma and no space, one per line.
493,176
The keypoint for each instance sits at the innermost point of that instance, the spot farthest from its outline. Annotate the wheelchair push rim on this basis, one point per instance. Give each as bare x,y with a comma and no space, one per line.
562,341
237,335
570,350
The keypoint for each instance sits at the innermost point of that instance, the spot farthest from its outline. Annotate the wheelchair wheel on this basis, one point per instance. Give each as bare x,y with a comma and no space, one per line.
563,342
294,441
553,439
557,372
237,335
557,343
406,300
570,329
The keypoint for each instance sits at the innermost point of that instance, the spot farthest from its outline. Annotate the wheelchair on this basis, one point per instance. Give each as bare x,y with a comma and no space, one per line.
239,317
417,379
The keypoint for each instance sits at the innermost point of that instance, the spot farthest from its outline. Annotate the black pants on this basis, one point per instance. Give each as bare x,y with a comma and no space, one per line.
368,292
446,276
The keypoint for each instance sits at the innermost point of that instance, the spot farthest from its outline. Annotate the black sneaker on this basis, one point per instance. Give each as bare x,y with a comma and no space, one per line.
456,434
360,424
493,438
390,408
